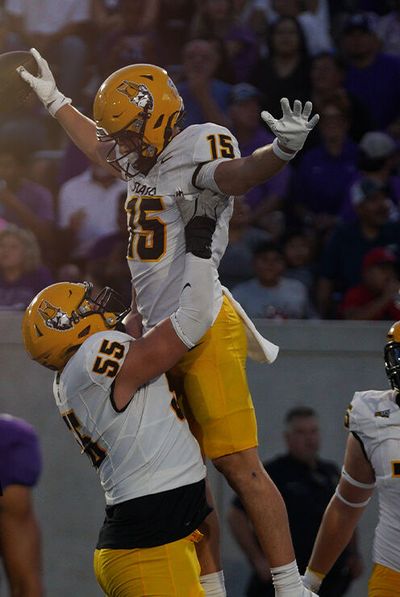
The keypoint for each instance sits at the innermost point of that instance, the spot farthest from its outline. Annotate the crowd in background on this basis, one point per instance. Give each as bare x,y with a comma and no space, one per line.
319,240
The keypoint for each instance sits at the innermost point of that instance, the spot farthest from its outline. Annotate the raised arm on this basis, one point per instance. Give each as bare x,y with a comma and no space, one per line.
238,176
342,514
80,128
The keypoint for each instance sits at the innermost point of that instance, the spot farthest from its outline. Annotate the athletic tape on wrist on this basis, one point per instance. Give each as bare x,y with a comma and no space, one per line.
282,155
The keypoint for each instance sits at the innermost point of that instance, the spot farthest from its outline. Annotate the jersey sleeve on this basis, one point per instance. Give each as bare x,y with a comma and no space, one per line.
359,419
21,459
104,355
214,142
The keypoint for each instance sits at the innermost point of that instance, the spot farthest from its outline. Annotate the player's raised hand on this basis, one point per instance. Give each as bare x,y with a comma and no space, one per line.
293,128
44,84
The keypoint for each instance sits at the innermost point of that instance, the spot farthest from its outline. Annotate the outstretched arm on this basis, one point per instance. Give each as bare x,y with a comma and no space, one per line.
80,128
238,176
342,514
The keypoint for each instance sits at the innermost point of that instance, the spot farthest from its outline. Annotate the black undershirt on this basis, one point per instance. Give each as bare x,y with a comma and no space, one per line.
154,519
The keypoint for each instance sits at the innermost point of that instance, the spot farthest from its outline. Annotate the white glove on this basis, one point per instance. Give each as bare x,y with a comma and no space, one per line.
293,128
206,203
44,84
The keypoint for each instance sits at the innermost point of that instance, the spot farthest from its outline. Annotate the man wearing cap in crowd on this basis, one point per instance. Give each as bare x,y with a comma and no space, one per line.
378,154
340,267
377,297
246,124
372,76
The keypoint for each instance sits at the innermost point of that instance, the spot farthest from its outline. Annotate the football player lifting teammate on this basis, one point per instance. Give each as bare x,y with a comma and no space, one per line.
137,132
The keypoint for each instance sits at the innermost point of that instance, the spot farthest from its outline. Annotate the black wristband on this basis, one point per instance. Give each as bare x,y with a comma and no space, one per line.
198,235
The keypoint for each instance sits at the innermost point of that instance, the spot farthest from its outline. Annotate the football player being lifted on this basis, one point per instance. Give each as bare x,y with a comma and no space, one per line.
372,459
136,133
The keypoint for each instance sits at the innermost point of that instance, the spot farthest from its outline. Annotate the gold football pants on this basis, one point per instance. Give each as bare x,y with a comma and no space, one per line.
170,570
384,582
211,382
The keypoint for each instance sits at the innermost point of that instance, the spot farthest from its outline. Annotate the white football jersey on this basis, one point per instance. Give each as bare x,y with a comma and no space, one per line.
375,416
156,251
144,449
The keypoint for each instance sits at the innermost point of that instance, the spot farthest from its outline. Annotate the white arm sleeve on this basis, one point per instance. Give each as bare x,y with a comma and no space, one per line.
205,176
194,314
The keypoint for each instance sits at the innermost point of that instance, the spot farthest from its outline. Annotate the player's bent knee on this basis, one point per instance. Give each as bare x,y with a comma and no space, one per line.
240,467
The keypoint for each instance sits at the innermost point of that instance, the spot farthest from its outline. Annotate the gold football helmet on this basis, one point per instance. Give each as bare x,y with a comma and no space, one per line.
392,356
62,316
137,107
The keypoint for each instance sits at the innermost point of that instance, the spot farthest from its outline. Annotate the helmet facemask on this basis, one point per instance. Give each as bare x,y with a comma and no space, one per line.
138,154
62,316
392,364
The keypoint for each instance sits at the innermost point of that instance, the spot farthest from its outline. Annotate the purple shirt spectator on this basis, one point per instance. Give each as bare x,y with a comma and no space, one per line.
377,86
20,461
36,197
321,180
18,294
220,92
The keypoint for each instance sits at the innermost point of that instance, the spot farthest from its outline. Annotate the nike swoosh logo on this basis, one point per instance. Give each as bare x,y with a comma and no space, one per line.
166,159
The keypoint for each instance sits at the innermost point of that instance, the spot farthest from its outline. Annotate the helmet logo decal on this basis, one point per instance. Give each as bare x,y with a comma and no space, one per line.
54,317
137,94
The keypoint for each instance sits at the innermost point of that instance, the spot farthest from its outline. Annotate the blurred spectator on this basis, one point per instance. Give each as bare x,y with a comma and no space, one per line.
377,159
341,262
216,19
72,162
20,537
333,160
285,71
205,97
24,202
298,249
106,15
22,275
388,30
377,297
251,133
252,13
327,83
131,40
57,28
236,264
313,17
371,76
173,31
105,263
270,294
88,209
306,483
